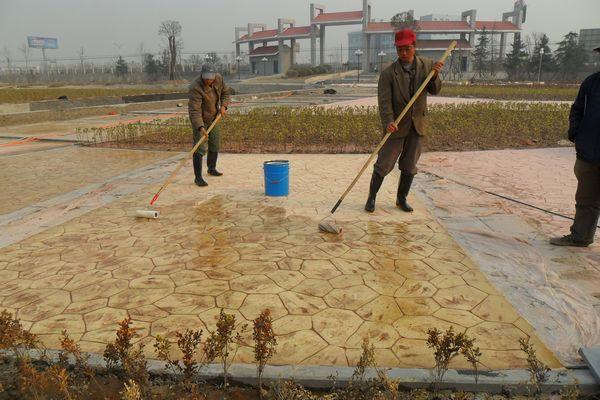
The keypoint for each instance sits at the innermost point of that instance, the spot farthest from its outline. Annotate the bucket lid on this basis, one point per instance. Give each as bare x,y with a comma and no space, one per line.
275,162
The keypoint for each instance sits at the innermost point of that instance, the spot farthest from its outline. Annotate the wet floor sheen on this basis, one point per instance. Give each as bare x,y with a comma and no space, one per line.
391,276
38,176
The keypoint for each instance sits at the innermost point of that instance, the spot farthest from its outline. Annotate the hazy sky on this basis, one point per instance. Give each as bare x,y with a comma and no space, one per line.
110,27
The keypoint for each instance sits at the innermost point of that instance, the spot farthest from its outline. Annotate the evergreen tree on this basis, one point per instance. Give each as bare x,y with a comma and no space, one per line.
481,53
151,66
121,68
516,60
570,57
548,64
154,68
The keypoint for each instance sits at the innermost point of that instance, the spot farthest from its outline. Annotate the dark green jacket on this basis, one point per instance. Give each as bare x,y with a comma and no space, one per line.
393,95
202,106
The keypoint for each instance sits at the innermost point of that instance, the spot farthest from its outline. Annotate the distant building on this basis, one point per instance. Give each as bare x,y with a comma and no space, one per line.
590,39
376,37
266,60
439,17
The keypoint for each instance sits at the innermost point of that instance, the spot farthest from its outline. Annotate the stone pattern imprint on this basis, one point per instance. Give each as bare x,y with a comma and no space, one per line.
390,275
37,176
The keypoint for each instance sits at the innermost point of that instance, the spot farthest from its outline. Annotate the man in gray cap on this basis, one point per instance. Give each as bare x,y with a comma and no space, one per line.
208,96
584,131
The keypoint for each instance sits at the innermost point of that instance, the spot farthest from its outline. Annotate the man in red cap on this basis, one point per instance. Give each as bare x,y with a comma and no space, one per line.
397,84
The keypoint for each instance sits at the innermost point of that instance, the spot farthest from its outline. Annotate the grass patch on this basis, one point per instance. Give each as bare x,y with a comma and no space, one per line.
26,95
352,130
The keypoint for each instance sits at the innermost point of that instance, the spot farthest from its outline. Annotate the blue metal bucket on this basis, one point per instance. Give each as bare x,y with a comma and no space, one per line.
277,177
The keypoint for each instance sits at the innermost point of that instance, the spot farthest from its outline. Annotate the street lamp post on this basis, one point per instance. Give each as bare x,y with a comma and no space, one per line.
264,60
238,59
358,53
208,59
542,51
381,54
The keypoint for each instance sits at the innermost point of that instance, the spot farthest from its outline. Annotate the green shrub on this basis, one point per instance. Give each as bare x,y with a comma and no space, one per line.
512,92
356,130
302,71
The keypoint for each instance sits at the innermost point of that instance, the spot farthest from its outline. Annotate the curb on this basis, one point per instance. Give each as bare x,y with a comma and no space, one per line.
319,377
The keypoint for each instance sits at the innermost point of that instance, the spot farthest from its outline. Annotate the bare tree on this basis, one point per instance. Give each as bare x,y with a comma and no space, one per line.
404,20
25,50
82,58
171,30
7,56
195,62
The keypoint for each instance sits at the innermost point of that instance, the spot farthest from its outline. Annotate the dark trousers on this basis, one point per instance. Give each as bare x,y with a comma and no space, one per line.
587,200
214,141
406,150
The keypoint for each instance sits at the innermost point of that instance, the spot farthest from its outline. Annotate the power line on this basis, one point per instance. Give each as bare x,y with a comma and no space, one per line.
336,49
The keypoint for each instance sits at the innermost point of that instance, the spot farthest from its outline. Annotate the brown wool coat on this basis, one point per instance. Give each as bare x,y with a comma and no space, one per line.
203,105
393,95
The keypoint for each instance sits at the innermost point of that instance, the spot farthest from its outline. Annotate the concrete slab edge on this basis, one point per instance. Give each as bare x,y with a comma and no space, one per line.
591,355
319,377
30,117
11,235
40,139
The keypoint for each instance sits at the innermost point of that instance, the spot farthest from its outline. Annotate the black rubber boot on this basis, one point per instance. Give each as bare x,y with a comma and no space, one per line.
376,181
197,159
211,163
582,230
403,189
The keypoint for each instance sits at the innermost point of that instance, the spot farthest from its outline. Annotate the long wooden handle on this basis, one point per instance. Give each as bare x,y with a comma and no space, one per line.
397,121
170,178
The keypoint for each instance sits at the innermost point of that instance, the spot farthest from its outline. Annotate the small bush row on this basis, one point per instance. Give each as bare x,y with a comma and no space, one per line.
300,71
475,126
71,377
512,92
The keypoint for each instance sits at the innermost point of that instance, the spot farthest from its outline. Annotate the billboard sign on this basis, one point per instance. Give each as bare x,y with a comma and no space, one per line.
42,42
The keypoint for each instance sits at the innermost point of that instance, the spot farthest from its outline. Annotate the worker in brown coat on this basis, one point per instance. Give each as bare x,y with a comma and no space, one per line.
397,84
208,96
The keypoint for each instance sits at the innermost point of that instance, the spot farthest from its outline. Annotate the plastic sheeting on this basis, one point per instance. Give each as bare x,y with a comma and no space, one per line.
542,282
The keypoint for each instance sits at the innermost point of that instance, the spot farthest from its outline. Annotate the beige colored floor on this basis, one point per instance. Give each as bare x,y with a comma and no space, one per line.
390,276
40,175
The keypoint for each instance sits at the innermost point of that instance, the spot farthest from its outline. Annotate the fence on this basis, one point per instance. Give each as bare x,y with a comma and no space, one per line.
103,74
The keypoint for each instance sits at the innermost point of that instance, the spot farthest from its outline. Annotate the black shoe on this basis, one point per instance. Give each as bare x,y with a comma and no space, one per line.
403,205
376,181
370,205
584,226
197,160
569,240
403,189
211,163
200,182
